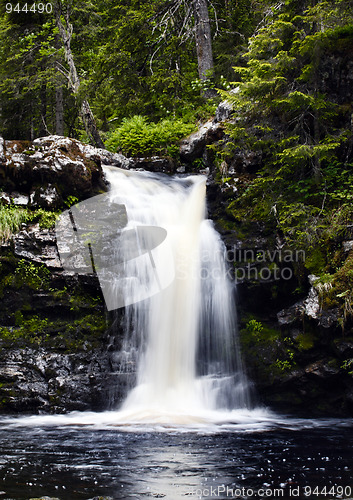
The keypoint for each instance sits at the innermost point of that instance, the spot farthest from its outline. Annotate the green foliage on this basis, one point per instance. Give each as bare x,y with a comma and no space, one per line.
28,331
288,114
79,334
136,136
279,89
28,73
256,331
283,365
45,218
32,275
254,327
71,200
348,366
11,218
131,57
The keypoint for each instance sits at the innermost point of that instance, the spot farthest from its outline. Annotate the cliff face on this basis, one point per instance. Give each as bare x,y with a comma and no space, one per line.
60,347
58,344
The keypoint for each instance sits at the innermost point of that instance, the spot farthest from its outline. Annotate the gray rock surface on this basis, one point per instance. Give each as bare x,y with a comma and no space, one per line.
45,172
193,146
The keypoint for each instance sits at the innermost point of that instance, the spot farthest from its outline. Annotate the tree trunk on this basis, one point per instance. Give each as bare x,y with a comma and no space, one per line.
43,130
74,81
203,40
59,109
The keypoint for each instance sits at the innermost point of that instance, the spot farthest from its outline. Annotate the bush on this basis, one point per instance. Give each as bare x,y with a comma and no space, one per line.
11,219
136,136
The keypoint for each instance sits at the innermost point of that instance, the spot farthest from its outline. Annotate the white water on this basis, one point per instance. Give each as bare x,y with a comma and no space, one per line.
183,337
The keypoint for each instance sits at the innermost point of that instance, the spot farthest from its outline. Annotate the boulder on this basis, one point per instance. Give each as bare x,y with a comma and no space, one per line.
348,245
155,164
37,245
194,145
37,380
48,170
225,109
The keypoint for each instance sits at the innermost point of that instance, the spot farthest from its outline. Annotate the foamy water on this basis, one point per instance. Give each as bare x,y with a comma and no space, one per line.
161,420
182,336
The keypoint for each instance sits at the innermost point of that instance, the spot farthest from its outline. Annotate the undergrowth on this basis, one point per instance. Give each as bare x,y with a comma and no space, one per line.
137,136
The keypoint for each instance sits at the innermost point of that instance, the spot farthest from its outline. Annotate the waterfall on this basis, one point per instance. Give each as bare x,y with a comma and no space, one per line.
180,332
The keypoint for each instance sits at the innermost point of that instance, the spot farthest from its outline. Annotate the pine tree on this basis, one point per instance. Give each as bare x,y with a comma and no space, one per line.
27,73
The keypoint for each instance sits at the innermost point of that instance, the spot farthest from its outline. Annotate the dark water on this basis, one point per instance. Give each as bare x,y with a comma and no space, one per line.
75,463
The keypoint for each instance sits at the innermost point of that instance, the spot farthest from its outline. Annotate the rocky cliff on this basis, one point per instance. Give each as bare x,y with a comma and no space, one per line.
59,345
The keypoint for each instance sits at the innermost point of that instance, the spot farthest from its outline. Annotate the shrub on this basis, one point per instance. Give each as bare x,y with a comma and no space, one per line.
136,136
11,218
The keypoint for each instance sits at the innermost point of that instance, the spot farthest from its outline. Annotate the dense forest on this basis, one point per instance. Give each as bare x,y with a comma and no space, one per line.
137,77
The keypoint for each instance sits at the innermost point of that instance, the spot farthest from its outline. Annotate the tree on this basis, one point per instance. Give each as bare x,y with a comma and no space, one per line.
66,30
203,39
280,98
27,75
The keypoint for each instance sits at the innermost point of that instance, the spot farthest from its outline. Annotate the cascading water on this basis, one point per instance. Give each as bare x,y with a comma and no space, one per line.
182,337
155,254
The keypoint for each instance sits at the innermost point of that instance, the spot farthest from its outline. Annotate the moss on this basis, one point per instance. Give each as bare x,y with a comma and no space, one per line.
315,260
255,331
45,218
79,334
336,290
305,341
30,331
33,275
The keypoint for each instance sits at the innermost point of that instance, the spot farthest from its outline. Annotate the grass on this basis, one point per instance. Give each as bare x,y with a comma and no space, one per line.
11,219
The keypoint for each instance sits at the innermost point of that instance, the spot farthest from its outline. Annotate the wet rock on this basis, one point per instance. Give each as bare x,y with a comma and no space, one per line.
348,245
45,498
344,348
311,303
101,498
36,380
38,245
291,314
155,164
2,153
193,146
322,369
309,308
17,199
45,197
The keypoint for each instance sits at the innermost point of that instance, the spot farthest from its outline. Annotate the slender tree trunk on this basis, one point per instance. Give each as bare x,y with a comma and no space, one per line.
43,111
74,81
203,41
59,109
59,94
